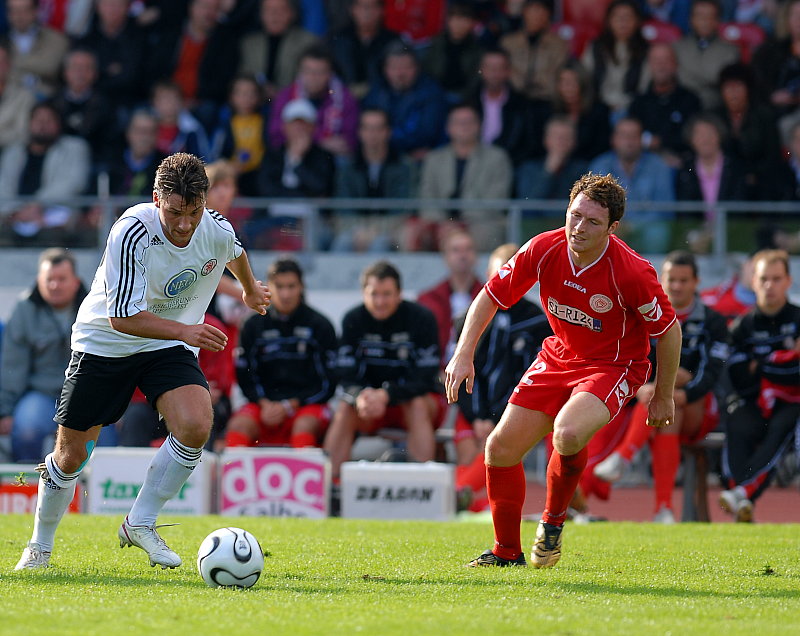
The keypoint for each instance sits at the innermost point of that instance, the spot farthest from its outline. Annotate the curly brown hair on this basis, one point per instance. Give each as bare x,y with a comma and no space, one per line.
182,174
602,189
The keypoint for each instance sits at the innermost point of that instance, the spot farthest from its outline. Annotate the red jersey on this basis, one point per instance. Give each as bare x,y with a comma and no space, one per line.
607,311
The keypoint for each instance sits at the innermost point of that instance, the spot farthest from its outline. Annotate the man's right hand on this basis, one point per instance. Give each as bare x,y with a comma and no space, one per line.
205,336
6,423
458,369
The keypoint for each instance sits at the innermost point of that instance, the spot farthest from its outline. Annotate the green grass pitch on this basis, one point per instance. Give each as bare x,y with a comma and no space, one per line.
376,577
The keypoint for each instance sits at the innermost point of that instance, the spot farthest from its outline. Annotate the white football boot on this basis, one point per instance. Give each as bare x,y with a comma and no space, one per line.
33,558
611,468
146,538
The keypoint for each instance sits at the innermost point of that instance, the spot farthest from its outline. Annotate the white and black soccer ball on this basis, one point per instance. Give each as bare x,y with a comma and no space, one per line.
230,557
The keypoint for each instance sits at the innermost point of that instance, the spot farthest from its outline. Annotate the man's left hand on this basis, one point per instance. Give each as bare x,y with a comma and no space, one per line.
258,298
660,412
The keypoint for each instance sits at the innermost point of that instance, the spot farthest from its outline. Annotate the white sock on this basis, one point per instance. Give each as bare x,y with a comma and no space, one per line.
169,470
54,495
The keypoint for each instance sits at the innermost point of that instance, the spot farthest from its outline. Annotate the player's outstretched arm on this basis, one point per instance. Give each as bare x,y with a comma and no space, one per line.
147,325
255,294
460,367
661,410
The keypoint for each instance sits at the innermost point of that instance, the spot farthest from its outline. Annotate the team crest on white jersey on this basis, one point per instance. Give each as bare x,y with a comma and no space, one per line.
651,311
208,267
180,283
601,303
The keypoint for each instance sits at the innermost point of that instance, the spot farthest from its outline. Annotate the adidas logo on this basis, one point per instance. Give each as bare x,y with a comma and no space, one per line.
156,241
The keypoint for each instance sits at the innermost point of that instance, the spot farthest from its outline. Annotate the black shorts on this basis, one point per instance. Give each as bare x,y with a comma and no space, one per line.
97,389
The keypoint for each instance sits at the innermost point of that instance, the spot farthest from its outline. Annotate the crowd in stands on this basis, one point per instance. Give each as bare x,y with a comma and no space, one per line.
692,100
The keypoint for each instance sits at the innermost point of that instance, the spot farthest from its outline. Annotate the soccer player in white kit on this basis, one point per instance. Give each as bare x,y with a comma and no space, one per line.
142,325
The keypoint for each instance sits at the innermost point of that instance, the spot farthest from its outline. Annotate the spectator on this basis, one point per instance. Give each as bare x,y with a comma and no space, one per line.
417,20
36,50
120,48
616,59
752,133
337,109
674,11
665,107
575,98
15,104
134,172
358,48
553,175
415,103
735,296
710,176
703,354
285,369
777,64
197,56
52,167
508,118
450,298
504,353
35,353
243,137
468,169
536,53
273,53
702,54
645,177
376,172
388,360
85,111
298,169
178,129
454,55
764,373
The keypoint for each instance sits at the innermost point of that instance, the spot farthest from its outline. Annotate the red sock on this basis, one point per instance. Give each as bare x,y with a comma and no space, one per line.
505,487
301,440
473,475
750,489
637,433
666,450
235,438
563,475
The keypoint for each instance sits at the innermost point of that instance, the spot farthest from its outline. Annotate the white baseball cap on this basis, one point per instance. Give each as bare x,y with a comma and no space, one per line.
299,108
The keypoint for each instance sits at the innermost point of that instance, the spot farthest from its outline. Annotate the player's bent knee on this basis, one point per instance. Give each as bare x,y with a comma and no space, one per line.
499,454
567,442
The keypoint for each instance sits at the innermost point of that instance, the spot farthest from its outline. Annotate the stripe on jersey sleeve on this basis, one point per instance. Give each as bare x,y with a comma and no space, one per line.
127,271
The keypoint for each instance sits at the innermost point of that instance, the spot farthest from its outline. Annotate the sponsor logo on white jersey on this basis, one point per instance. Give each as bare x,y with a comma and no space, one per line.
651,311
180,283
573,315
156,241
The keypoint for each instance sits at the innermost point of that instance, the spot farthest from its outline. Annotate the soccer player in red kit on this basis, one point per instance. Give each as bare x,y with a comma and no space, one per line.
604,303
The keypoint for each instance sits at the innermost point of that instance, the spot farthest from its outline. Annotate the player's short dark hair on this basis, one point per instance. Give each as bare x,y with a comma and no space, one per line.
285,266
602,189
381,270
181,174
56,256
682,257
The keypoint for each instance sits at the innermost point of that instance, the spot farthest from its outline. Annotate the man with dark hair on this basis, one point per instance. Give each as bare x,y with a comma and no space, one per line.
703,354
764,368
285,368
35,353
388,362
141,325
604,303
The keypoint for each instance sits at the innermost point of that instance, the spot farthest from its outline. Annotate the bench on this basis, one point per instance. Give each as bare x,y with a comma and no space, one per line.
695,476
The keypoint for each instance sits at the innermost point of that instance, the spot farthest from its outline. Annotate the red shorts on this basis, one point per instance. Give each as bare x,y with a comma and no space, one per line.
549,383
393,418
280,435
710,420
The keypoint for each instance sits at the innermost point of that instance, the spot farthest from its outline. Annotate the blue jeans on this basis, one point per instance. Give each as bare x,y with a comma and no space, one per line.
33,425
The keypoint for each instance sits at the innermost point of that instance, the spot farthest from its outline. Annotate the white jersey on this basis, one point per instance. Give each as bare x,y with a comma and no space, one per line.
142,270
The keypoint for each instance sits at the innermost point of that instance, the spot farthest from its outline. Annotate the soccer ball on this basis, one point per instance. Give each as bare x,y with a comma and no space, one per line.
230,557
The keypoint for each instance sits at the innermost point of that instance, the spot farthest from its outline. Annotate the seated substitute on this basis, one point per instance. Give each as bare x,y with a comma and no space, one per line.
507,348
703,354
388,364
764,368
285,368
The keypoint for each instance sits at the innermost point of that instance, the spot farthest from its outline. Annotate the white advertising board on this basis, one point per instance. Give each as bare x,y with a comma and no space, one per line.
375,490
114,477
